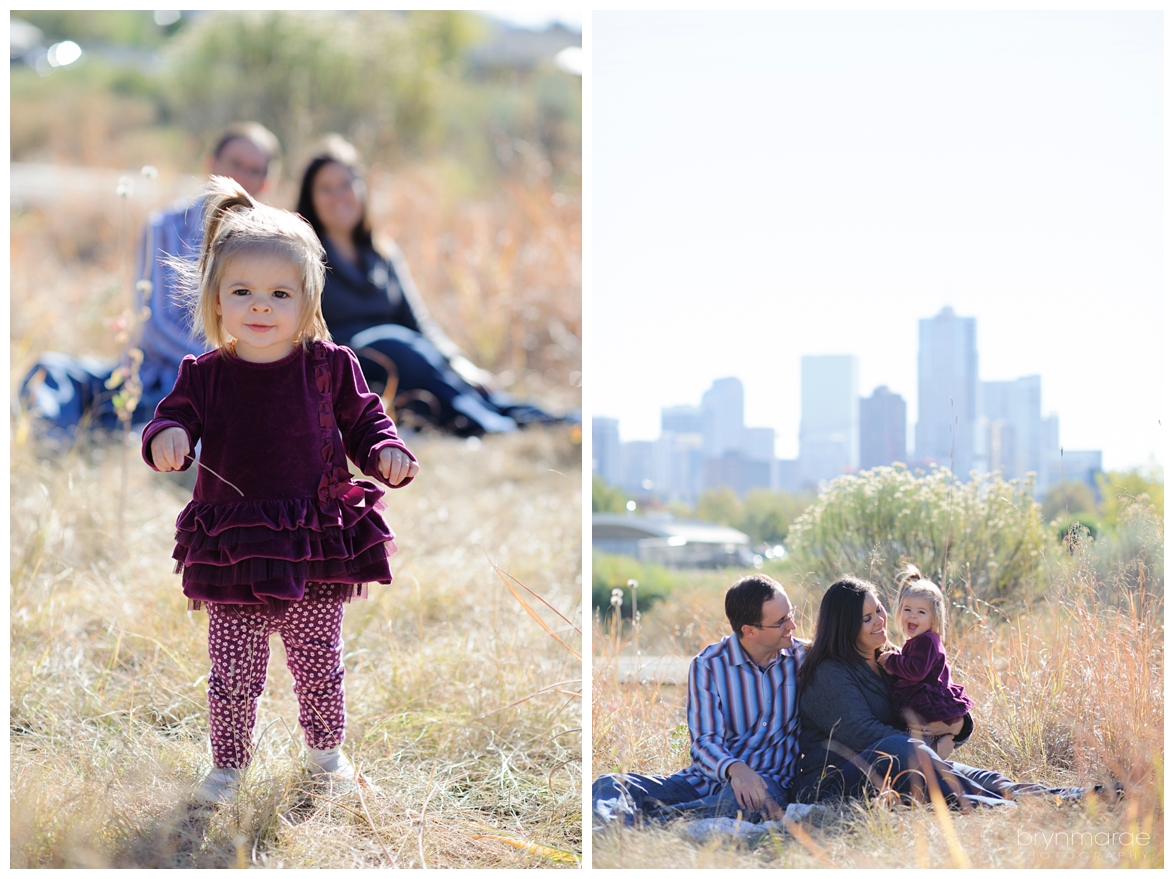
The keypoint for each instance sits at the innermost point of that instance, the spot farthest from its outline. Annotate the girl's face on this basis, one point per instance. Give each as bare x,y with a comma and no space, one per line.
872,627
260,303
335,193
916,615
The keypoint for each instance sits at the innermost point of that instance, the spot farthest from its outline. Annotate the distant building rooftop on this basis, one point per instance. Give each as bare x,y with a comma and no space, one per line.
671,542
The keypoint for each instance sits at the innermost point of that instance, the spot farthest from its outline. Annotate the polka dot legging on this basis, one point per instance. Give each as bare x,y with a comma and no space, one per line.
238,644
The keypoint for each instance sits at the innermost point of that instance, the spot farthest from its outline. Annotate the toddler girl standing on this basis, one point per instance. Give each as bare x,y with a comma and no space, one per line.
919,682
278,535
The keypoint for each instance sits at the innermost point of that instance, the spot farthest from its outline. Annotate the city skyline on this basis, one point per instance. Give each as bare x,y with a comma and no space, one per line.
844,431
949,376
773,185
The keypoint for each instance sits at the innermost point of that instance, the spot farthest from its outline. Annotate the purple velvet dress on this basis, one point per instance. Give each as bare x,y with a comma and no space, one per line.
280,432
919,681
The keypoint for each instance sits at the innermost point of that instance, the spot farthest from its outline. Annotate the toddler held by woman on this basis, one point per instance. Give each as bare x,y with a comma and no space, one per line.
919,676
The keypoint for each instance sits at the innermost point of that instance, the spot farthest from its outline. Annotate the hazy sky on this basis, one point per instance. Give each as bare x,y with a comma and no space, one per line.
769,185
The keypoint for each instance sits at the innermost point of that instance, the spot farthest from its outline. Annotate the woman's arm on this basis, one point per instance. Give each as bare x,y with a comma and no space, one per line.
836,704
413,313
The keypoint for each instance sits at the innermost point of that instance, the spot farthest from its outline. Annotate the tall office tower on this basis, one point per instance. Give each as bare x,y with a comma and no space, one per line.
830,417
682,419
882,429
722,409
947,392
1076,465
1012,413
1049,452
679,467
605,449
638,470
759,443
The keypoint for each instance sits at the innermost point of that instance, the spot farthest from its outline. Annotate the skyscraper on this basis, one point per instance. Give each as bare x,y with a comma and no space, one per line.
882,429
829,420
682,419
947,391
722,408
605,449
1011,411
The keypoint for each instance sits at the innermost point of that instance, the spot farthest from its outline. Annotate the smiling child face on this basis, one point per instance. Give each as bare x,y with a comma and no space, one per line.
916,615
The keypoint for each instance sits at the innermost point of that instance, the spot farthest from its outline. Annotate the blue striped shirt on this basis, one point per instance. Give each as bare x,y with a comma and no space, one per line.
738,711
167,334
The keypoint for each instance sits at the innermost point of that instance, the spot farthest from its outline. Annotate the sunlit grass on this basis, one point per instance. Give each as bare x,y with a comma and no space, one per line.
462,710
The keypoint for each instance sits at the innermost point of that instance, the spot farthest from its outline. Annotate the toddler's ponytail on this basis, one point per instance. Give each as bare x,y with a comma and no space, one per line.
907,576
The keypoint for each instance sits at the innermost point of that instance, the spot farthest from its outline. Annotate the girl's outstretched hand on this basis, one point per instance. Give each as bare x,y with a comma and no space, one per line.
394,465
169,448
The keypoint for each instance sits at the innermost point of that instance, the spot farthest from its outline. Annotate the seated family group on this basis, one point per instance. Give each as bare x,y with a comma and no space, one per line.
776,720
369,304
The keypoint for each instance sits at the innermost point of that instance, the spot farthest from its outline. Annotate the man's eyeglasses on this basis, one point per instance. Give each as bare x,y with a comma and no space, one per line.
789,618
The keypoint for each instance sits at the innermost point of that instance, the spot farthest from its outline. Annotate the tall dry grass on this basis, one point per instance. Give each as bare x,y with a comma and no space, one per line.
1070,692
461,708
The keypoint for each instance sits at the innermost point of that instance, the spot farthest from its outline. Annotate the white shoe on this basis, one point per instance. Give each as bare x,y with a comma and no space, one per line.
219,786
332,767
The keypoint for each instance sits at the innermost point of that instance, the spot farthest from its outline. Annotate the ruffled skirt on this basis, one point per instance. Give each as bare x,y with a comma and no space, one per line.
262,553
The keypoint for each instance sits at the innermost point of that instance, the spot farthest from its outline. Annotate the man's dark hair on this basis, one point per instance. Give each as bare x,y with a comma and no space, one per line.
744,600
256,134
841,613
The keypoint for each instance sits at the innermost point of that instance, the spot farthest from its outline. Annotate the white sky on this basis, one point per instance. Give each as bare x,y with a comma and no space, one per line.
769,185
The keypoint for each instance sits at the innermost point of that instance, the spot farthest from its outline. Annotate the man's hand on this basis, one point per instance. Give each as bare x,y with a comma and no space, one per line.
169,448
749,788
395,466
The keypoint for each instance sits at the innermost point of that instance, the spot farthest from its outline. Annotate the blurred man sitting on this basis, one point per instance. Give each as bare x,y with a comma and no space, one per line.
64,391
743,720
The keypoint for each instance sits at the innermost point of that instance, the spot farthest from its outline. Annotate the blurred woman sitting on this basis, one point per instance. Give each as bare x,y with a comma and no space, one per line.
371,305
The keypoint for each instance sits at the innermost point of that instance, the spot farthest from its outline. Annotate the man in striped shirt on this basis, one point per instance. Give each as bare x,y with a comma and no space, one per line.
743,719
65,390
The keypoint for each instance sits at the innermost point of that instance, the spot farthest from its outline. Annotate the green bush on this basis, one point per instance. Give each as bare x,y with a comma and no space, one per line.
606,498
984,537
1129,556
609,572
1087,528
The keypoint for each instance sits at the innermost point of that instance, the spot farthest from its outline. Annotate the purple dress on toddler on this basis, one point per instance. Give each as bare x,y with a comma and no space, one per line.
281,433
919,681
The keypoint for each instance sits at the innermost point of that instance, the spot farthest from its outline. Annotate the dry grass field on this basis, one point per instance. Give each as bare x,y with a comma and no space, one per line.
1069,693
462,710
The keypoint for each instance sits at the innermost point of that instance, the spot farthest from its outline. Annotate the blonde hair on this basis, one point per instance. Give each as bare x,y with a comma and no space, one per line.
236,225
913,585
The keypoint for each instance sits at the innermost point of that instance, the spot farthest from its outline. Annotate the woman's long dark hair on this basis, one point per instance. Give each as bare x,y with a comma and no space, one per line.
838,626
334,149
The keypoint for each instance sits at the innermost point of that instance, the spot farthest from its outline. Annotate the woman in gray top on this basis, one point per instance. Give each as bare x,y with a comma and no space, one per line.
372,306
851,741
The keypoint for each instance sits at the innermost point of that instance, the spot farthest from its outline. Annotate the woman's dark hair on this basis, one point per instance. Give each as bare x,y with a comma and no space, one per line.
744,600
334,149
841,612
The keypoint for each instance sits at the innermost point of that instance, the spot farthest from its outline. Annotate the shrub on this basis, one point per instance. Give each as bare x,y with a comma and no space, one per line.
610,572
1087,527
606,498
985,535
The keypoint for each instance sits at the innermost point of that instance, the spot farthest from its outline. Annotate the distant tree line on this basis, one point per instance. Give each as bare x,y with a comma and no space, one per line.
398,84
